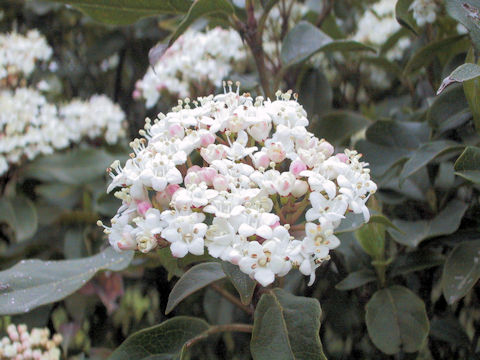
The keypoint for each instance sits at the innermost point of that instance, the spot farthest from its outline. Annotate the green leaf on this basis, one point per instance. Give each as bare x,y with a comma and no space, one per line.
466,12
286,327
338,126
404,15
304,40
445,222
65,196
426,153
468,164
241,281
441,48
371,238
472,91
123,12
463,73
194,279
356,279
450,331
20,214
316,94
74,244
415,261
461,270
32,283
165,341
396,320
69,167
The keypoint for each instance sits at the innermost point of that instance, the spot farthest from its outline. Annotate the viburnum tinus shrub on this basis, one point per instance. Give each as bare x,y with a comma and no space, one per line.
241,178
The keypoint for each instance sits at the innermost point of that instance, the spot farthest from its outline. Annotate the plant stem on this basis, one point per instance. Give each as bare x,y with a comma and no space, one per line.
246,328
227,295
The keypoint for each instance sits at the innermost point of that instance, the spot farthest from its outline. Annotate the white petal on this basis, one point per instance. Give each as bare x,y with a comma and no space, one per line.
264,276
179,249
264,231
196,246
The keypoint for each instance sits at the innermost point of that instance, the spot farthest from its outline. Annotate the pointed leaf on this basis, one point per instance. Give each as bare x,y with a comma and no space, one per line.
467,13
462,73
286,327
32,283
468,164
193,280
415,261
396,320
338,126
356,279
242,282
164,341
404,15
123,12
461,271
445,222
304,40
20,214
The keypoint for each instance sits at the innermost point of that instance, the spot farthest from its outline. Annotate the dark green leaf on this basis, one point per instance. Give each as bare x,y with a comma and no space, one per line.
304,40
74,244
404,15
466,12
445,222
461,270
194,279
450,331
65,196
286,327
468,164
316,94
398,134
356,279
371,238
32,283
338,126
242,282
426,153
20,214
161,342
123,12
472,91
463,73
396,320
415,261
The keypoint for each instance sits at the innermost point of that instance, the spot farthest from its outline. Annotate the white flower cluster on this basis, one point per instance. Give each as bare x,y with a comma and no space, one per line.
195,58
377,24
34,345
18,53
424,11
237,175
30,126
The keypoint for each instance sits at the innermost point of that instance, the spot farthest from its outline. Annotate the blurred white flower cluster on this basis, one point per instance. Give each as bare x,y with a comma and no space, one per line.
424,11
34,345
195,58
237,175
376,26
19,53
29,124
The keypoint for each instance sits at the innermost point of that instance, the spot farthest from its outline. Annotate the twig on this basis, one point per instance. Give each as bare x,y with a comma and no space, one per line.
328,6
246,328
231,298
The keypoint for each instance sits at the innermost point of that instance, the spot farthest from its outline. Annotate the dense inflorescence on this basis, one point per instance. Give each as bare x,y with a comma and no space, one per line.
20,344
237,175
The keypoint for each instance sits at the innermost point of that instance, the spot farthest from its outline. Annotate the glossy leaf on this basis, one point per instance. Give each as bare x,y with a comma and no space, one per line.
396,320
193,280
20,214
123,12
316,94
32,283
468,164
357,279
165,341
286,327
461,271
445,222
404,15
463,73
415,261
466,12
371,238
426,153
241,281
304,40
338,126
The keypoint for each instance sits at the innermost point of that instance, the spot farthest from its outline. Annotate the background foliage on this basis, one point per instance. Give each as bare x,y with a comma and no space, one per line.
402,286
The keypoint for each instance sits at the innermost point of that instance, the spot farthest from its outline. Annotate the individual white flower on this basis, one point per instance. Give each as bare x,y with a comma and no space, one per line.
186,234
148,227
424,11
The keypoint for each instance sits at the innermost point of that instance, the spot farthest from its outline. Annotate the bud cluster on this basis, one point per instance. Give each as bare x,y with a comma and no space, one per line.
237,176
20,344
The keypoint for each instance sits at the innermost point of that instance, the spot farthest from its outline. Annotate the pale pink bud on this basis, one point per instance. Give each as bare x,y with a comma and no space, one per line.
297,166
260,131
143,206
176,130
192,178
220,183
162,198
326,148
171,189
274,225
194,168
342,157
300,188
276,153
207,139
207,175
261,160
137,94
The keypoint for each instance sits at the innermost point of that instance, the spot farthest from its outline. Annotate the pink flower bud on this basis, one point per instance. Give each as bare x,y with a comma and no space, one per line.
326,148
276,153
171,189
220,183
207,175
342,157
176,130
207,139
143,206
262,160
300,188
274,225
137,94
192,178
297,166
194,168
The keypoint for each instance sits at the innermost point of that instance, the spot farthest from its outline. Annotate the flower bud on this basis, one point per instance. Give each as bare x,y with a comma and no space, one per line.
300,188
297,166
